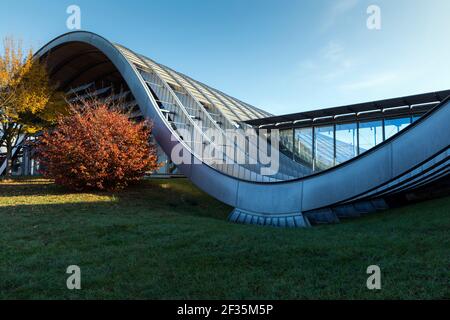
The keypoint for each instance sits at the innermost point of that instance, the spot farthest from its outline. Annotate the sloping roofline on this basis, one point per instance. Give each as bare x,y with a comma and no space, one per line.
418,99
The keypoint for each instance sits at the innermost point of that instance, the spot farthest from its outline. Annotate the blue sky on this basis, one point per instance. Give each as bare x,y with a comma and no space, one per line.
281,55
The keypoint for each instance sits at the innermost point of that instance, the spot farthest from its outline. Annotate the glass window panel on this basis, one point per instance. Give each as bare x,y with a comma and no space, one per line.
394,126
323,148
303,146
370,134
346,142
287,142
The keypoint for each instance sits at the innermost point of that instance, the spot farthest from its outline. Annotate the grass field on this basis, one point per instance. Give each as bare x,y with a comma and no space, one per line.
165,239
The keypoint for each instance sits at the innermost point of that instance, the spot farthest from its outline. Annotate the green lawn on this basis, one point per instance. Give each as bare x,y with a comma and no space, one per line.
164,239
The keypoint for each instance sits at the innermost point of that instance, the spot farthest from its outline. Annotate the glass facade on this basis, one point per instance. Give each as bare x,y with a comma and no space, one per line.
287,142
323,147
346,142
167,167
394,126
303,152
370,134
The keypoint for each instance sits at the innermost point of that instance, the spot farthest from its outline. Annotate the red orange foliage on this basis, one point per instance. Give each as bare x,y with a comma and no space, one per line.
96,148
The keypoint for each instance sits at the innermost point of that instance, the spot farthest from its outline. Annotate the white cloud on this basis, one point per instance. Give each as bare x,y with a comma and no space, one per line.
378,80
340,8
333,51
334,66
330,63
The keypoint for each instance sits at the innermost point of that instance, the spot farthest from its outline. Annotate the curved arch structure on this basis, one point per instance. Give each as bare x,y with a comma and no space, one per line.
291,197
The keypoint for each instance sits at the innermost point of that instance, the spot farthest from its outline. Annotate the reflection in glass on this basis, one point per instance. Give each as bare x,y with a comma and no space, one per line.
287,142
346,142
370,134
323,147
167,166
394,126
303,146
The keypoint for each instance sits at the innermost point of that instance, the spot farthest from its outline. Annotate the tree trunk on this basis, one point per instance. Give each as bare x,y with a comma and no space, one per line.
9,162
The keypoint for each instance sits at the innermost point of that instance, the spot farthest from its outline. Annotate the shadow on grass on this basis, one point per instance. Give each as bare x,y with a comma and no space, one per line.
160,196
29,189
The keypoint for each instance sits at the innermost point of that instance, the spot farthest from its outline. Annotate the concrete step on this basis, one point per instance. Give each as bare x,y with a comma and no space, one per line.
288,221
357,209
380,204
322,216
346,211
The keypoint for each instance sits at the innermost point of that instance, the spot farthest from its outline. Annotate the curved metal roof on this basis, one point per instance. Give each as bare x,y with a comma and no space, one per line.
231,108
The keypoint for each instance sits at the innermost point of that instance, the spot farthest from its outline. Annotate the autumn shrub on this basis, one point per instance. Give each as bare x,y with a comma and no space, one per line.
96,148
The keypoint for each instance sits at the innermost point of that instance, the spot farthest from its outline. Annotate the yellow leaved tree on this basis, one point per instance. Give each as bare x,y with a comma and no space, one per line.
28,100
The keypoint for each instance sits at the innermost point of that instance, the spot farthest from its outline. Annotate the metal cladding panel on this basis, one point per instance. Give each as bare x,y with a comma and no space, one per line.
228,105
230,113
270,199
194,92
347,181
245,113
215,183
428,137
160,71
